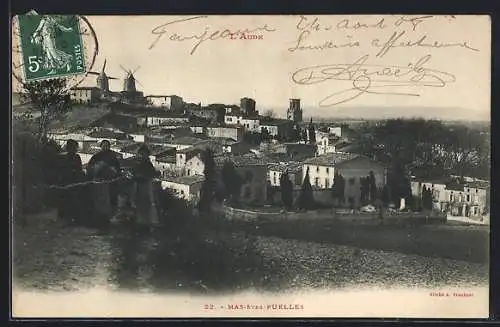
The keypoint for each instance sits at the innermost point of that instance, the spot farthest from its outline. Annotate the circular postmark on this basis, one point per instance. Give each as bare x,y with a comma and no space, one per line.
52,46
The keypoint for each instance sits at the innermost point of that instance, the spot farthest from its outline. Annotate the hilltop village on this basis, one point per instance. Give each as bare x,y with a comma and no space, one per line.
261,146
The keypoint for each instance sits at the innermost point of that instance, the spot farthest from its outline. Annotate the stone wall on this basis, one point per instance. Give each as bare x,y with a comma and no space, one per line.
333,214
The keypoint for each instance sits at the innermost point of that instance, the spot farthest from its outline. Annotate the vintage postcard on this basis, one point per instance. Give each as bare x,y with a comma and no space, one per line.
251,166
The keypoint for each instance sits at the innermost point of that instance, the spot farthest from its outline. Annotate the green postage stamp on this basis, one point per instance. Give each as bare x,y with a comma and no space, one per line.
51,46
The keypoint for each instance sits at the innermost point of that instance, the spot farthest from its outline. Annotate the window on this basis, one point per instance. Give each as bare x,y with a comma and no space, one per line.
468,197
316,181
229,119
451,197
182,192
317,169
327,170
327,183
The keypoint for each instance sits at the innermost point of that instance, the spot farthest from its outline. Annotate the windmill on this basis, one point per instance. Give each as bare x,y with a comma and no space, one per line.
102,79
129,80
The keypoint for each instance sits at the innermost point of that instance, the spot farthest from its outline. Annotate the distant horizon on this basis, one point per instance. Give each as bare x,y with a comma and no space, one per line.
391,112
358,114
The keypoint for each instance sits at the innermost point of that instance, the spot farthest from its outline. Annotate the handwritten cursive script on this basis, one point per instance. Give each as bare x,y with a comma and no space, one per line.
206,35
396,41
372,79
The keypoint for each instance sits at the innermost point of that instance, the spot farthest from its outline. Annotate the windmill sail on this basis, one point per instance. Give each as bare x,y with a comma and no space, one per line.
129,80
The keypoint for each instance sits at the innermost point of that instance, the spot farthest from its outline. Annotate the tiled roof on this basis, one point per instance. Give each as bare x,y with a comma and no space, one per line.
166,158
225,141
105,133
442,180
292,166
274,121
478,184
186,180
191,149
247,159
331,159
455,187
187,140
159,149
154,148
162,113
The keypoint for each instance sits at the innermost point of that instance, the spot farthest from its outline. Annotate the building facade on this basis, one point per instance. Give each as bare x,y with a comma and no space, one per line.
84,95
184,187
157,118
250,124
279,128
294,170
469,199
168,102
325,143
352,167
235,133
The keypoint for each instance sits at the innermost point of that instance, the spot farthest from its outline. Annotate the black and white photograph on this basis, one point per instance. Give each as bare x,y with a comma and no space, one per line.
250,166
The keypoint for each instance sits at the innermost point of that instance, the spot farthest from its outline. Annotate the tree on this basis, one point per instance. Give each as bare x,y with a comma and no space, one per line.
304,135
372,187
296,133
208,186
50,99
270,192
341,189
265,135
312,133
427,198
386,195
306,197
429,148
364,189
464,150
232,181
338,188
286,188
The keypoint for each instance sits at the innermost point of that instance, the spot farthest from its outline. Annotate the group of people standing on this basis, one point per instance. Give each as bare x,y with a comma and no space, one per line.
94,196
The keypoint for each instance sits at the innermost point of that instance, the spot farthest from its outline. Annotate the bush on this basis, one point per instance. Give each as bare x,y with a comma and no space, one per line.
202,248
173,210
34,165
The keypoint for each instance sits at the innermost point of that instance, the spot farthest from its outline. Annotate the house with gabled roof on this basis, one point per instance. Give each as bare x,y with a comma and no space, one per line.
185,187
352,167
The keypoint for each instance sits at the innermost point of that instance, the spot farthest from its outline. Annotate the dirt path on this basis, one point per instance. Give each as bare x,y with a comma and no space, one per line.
60,258
54,257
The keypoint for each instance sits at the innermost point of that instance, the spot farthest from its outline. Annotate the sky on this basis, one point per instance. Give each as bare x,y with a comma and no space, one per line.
223,70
